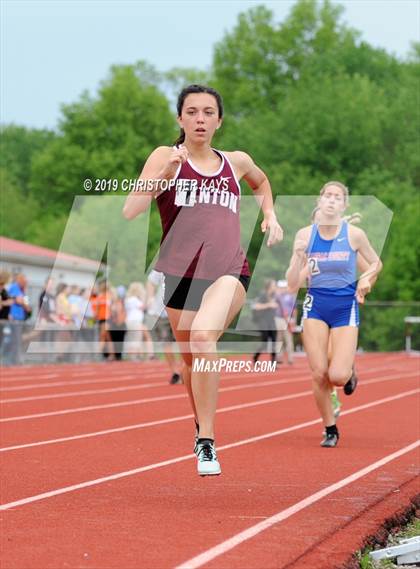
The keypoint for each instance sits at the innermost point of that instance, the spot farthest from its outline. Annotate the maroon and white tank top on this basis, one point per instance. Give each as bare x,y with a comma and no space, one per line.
200,223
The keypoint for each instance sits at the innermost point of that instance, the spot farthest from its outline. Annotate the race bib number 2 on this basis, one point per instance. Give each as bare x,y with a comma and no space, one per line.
308,302
313,265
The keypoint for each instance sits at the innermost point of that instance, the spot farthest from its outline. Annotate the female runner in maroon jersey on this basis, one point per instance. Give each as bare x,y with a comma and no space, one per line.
206,271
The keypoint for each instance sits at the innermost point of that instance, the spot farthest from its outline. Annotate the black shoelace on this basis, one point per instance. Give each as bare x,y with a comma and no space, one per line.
206,452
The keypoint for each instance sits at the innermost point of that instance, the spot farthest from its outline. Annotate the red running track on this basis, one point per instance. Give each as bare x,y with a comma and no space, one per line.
98,470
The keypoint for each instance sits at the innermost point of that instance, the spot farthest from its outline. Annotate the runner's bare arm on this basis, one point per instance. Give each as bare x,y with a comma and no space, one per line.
363,266
260,185
361,244
298,270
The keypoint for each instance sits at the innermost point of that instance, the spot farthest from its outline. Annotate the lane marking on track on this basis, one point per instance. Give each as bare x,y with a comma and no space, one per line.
137,377
159,422
43,376
144,368
118,390
136,401
116,373
134,387
178,396
11,385
293,373
254,530
70,393
171,461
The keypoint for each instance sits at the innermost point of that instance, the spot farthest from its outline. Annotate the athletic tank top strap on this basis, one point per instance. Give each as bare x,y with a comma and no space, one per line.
344,231
229,168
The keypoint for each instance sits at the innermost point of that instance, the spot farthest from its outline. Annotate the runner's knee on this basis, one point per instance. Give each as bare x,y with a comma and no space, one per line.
320,374
203,341
338,376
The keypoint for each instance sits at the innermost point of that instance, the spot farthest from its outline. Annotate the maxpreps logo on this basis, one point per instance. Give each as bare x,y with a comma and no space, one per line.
210,191
203,365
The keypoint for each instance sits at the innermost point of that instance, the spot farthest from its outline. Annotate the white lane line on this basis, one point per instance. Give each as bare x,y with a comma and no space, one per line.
10,385
130,378
100,391
156,423
137,377
73,374
180,396
124,474
137,374
31,386
121,389
64,383
73,394
136,401
169,420
254,530
43,376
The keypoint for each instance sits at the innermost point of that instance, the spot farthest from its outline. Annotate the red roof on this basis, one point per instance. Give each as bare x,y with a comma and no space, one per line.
20,248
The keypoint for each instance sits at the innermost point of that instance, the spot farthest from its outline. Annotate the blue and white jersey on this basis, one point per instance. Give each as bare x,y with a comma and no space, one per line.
332,264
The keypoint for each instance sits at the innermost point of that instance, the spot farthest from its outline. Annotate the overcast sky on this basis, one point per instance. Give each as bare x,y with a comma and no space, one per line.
52,50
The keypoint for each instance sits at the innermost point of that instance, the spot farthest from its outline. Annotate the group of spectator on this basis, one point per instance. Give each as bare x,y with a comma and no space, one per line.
124,317
119,314
70,311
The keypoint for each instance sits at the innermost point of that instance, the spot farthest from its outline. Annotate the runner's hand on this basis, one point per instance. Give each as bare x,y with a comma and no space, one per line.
300,248
363,288
178,156
275,231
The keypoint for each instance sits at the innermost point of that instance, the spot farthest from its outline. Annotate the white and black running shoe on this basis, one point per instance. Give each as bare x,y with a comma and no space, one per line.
207,463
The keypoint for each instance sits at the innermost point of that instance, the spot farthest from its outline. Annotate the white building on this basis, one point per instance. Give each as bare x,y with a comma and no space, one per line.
37,264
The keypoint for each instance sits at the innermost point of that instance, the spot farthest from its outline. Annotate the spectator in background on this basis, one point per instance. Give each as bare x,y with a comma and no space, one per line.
64,318
5,304
20,311
87,324
62,304
88,312
101,306
76,305
117,320
46,303
265,309
5,300
285,319
135,307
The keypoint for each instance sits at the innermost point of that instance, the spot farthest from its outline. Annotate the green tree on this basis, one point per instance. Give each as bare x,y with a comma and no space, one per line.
18,146
107,136
17,210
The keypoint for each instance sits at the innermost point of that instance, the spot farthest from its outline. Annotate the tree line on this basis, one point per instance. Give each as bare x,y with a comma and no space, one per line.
307,98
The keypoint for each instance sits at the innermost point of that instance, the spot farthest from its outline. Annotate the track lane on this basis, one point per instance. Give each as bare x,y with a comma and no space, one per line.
39,469
132,517
75,421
